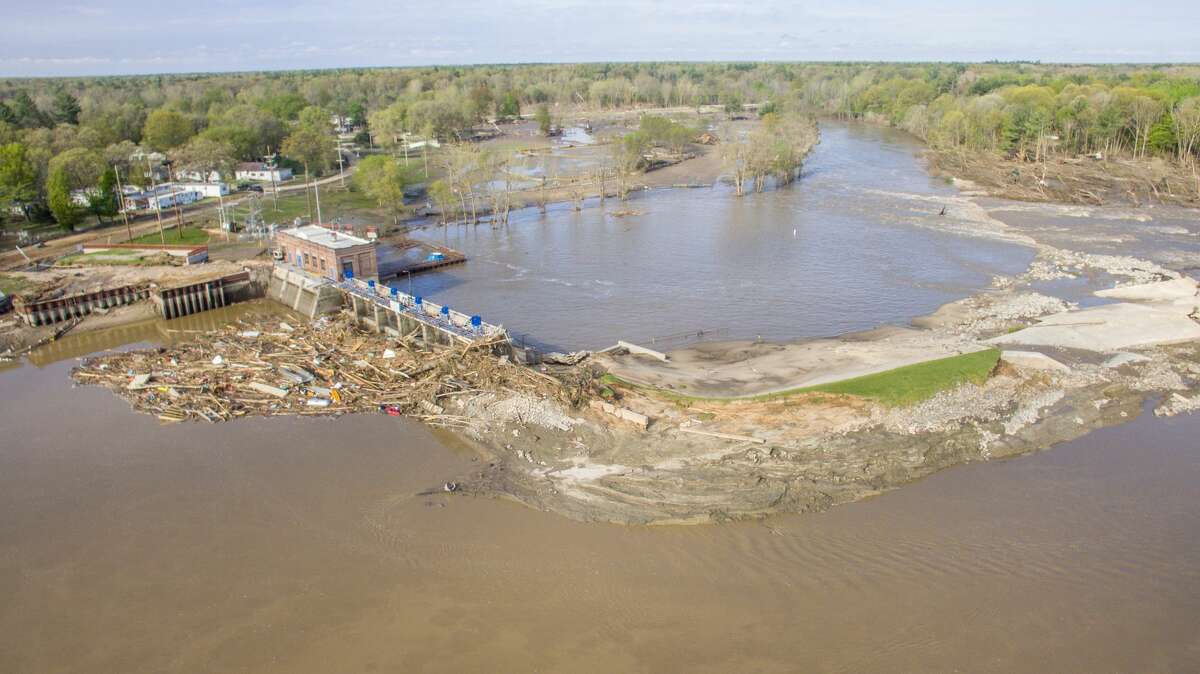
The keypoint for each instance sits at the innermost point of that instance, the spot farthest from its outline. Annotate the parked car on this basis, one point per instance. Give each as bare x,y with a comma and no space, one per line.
250,187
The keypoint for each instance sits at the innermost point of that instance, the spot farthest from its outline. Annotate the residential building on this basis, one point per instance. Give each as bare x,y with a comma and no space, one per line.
197,176
325,252
257,170
214,189
161,199
83,197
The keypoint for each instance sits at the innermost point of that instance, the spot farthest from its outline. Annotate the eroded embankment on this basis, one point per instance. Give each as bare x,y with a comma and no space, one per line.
697,460
665,451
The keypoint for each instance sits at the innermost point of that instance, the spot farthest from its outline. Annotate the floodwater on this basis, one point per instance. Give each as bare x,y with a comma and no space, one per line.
857,243
299,545
307,545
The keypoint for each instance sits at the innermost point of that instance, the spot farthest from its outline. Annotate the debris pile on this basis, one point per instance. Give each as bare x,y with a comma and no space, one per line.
264,367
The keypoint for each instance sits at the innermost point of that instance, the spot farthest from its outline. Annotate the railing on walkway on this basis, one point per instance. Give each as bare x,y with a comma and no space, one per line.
434,315
392,299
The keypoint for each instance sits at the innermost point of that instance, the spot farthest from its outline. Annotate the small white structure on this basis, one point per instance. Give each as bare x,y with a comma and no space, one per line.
162,199
197,177
214,189
261,171
84,196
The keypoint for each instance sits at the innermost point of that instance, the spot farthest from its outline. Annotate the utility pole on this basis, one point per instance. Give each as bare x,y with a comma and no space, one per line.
121,202
317,191
273,171
157,208
307,196
341,171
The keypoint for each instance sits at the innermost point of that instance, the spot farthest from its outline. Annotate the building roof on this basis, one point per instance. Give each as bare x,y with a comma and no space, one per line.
259,166
325,237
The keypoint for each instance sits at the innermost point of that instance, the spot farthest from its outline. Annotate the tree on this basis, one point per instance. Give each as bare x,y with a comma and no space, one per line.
26,111
250,130
18,177
543,119
65,108
508,106
1186,116
311,144
207,156
58,198
1145,113
626,156
387,125
443,197
102,202
6,114
74,169
166,129
383,179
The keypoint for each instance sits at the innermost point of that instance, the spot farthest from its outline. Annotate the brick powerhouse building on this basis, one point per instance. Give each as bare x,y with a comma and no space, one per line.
331,254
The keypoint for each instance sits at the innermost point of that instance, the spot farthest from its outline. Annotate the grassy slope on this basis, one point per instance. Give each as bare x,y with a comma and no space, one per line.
11,285
901,386
189,236
913,383
334,202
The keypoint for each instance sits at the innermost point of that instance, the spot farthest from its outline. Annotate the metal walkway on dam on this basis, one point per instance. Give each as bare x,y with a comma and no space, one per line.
385,308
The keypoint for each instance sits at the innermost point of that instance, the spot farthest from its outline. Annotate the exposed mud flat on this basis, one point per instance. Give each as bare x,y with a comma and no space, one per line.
813,451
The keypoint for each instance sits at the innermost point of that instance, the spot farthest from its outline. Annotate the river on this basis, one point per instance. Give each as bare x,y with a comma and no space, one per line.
858,244
318,545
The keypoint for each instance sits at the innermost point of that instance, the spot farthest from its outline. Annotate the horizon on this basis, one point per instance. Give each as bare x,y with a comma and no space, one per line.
519,64
89,41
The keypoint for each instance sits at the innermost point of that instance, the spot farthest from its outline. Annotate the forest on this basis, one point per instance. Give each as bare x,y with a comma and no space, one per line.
60,136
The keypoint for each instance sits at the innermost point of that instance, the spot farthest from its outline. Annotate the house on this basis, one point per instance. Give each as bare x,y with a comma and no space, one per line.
197,176
213,189
83,197
328,253
161,199
256,170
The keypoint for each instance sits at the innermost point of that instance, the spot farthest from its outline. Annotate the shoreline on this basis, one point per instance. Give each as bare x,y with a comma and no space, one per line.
708,460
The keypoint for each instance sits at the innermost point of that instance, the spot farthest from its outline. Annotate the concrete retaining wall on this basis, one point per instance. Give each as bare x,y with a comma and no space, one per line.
46,312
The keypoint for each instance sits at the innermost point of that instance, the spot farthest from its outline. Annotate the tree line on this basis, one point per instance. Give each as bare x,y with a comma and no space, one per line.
64,134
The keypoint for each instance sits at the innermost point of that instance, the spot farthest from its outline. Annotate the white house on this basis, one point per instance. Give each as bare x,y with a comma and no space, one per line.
197,176
162,199
84,196
257,170
214,189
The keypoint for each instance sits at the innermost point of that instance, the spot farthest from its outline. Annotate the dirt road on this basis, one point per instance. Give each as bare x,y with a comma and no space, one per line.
140,225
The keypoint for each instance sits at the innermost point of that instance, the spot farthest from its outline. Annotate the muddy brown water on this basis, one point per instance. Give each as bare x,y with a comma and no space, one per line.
327,545
307,545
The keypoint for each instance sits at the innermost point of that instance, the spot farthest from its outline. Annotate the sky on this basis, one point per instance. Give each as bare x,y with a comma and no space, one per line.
105,37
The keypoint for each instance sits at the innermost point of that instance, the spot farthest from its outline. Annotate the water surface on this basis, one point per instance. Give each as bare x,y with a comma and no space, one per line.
306,545
856,243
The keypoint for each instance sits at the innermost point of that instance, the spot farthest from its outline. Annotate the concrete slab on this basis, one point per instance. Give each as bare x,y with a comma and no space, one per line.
1032,360
1184,288
1125,358
1111,327
738,369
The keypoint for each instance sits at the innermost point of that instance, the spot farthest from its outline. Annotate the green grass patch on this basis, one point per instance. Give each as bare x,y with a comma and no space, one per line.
191,236
914,383
115,257
11,285
335,202
901,386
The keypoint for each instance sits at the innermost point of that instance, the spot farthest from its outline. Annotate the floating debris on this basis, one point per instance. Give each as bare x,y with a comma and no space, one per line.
223,374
